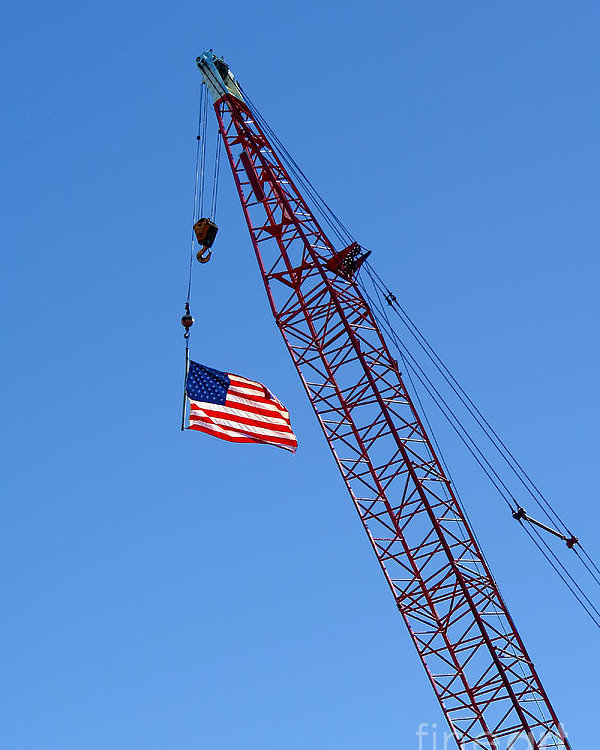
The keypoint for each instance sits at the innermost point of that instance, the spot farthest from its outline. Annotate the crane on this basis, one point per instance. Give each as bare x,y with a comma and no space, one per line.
477,664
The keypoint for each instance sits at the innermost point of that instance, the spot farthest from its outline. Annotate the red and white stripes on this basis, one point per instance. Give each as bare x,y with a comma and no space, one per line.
251,414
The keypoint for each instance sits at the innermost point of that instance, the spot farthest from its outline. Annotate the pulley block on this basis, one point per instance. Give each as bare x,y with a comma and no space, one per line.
205,231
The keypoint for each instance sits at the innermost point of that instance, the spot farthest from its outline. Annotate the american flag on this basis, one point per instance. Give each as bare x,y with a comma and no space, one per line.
237,409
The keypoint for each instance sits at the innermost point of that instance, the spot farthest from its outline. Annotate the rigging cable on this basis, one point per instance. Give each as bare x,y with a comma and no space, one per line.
345,236
323,208
215,186
442,404
467,402
486,568
482,422
198,180
187,320
204,118
555,564
558,566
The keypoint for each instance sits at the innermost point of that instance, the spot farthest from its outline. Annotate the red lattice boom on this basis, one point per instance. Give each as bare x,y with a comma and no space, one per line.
480,671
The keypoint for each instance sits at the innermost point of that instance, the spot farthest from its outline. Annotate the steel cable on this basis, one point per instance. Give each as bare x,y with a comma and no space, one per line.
290,163
488,430
215,187
413,367
481,421
410,361
446,410
555,563
199,178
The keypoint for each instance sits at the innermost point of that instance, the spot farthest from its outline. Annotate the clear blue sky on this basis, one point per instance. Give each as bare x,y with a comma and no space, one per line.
163,590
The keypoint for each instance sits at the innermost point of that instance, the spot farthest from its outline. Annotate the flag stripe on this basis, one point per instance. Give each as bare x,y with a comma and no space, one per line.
238,436
249,426
232,406
221,434
252,396
267,406
244,382
248,417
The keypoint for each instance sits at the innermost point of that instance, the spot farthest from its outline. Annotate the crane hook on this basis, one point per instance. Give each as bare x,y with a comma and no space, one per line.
205,231
203,255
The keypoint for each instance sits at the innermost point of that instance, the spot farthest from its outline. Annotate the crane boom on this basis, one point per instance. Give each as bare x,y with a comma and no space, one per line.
477,664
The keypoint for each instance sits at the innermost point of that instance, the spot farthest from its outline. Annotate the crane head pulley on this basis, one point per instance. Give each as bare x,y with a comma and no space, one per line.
217,76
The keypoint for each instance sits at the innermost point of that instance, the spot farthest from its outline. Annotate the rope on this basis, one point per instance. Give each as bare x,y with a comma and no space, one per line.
585,554
197,181
215,187
589,567
346,238
380,312
550,513
483,423
204,117
445,409
329,217
511,646
555,563
413,367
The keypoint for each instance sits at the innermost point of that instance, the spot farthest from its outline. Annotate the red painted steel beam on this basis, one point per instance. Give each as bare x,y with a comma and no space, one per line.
474,657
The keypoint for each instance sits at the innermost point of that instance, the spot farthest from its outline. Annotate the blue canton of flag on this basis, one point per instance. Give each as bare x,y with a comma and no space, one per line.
234,408
205,384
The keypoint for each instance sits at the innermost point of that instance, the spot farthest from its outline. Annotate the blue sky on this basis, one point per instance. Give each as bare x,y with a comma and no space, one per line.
173,591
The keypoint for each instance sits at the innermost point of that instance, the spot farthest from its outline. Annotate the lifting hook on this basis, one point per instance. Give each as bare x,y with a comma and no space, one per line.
203,255
205,231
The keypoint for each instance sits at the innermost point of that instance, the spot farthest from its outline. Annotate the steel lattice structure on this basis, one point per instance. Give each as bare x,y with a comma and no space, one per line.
474,657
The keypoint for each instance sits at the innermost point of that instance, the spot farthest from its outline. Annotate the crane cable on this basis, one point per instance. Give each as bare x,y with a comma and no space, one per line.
199,178
345,237
198,206
508,456
442,404
381,316
322,207
527,482
200,191
511,646
215,186
409,360
339,229
550,555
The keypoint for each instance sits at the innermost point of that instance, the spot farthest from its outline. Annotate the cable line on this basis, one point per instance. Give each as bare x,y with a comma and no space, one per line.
498,443
485,426
380,302
589,567
443,406
556,564
411,364
215,186
199,178
328,215
204,117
